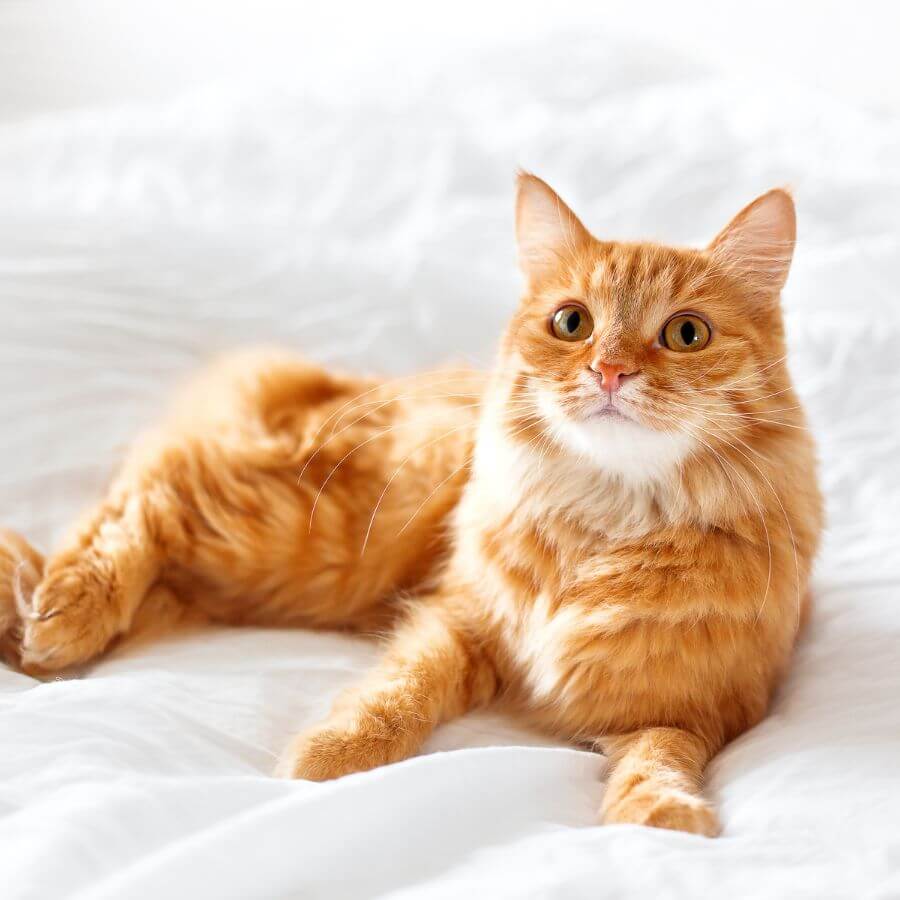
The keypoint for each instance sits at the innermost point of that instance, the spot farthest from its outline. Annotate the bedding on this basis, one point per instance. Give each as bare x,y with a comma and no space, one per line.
373,230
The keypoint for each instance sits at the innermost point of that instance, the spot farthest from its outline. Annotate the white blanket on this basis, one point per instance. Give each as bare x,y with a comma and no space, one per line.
374,231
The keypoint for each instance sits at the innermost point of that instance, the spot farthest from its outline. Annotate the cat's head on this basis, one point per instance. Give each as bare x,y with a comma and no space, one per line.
634,355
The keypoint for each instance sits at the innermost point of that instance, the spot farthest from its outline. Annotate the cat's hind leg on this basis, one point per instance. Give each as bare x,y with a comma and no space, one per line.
21,568
90,591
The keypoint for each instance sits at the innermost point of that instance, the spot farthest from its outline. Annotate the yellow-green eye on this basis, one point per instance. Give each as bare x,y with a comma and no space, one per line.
572,323
685,333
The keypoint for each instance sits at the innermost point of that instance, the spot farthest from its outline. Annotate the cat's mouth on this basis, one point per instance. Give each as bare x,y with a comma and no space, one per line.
589,410
610,412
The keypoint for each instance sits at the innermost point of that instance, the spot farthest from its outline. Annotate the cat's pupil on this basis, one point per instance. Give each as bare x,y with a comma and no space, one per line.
688,333
573,322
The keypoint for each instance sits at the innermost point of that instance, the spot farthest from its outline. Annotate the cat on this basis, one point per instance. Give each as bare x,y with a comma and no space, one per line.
611,533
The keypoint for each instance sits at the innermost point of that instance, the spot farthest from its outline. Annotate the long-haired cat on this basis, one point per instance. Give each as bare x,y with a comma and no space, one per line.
612,533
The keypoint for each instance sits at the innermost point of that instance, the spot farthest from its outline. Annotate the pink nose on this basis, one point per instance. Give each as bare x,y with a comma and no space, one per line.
612,375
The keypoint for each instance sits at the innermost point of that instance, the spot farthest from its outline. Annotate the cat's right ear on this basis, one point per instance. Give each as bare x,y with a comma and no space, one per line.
547,231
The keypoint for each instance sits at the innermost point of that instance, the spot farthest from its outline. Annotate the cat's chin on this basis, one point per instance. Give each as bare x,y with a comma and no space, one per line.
616,443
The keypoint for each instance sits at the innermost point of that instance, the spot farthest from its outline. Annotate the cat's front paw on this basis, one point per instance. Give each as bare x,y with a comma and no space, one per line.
657,807
330,751
74,614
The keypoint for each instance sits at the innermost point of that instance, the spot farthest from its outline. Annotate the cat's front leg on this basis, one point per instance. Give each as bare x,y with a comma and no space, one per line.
655,777
431,672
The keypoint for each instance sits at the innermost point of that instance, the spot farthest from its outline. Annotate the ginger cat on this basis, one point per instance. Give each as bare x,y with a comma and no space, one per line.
612,533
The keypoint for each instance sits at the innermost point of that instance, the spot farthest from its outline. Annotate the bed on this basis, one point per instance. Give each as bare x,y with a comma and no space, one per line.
374,232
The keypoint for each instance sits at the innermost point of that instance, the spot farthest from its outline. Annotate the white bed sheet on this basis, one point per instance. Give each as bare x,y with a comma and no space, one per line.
374,231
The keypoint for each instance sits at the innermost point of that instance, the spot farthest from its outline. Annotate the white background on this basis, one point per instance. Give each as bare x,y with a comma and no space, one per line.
180,178
69,53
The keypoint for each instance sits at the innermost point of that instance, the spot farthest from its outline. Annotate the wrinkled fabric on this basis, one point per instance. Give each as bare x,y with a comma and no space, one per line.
374,231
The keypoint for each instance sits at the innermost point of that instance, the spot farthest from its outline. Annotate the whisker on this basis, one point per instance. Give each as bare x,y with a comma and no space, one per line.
359,446
749,418
397,471
388,429
444,376
440,484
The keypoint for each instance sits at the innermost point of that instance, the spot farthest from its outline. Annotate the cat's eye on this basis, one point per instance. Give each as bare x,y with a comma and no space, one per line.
685,333
572,323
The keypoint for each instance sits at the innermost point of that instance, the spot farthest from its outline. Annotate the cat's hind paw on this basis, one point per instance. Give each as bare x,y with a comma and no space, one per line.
74,613
20,571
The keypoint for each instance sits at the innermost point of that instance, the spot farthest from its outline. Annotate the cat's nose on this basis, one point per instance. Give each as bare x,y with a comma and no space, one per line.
612,375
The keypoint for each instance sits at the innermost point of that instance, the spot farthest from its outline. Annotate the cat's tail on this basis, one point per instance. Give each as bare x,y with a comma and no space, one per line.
21,569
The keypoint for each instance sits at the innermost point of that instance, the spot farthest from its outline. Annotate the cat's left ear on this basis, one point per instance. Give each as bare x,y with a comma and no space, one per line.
548,233
757,245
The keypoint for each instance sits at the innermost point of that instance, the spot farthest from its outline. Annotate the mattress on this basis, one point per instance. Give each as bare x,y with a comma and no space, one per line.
372,229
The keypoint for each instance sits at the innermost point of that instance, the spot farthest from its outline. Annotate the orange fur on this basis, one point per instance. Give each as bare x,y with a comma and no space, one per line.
631,581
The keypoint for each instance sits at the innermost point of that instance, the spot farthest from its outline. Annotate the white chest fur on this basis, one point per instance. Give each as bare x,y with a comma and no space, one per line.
530,484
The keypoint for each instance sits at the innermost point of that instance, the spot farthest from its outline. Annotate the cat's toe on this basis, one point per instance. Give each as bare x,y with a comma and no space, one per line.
73,616
664,808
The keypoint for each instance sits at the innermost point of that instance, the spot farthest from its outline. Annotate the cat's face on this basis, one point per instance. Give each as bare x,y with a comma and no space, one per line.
635,355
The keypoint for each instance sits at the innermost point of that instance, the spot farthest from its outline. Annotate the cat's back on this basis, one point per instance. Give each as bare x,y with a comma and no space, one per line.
272,391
